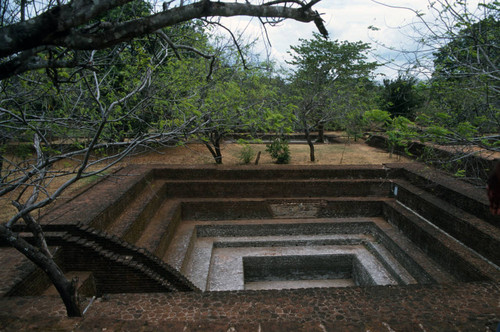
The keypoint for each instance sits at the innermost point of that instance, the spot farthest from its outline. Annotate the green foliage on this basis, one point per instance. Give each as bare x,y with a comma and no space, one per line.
354,124
247,153
464,82
377,119
460,173
401,133
22,150
400,97
279,151
323,60
232,101
466,129
129,11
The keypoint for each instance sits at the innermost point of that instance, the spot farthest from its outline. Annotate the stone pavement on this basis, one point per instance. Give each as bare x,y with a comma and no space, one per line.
14,267
451,307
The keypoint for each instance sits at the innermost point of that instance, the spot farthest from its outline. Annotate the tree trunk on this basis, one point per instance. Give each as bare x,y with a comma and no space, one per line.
1,166
215,150
3,143
36,230
321,133
310,143
258,158
67,289
218,157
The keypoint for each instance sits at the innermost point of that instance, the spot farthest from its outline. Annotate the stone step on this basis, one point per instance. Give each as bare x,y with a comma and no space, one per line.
160,230
274,172
290,241
313,227
192,245
397,271
462,262
180,246
468,229
410,256
278,188
197,262
455,192
232,268
282,208
130,224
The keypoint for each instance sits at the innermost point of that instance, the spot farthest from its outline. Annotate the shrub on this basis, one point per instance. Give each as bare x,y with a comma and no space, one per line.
279,151
246,154
22,150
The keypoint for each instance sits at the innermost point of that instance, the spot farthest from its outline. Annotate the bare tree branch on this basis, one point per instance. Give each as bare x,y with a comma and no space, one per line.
235,41
59,26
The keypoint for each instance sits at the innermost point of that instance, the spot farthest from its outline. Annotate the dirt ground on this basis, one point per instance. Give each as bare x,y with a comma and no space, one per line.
353,153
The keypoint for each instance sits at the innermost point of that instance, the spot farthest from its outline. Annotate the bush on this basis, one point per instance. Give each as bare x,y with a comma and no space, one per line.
246,154
279,151
22,150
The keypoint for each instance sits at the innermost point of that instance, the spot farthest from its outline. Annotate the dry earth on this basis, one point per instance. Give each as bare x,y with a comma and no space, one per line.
326,154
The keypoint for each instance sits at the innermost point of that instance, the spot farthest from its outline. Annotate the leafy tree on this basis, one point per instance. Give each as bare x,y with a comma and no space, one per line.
465,79
400,133
377,120
233,101
323,69
458,47
351,102
399,130
400,96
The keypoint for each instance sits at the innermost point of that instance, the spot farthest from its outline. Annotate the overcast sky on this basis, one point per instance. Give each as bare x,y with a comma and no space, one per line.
344,20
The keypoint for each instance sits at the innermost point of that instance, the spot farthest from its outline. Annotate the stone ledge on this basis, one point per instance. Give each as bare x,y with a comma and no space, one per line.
447,307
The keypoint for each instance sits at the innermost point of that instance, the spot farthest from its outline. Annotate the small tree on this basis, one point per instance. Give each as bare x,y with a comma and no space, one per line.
279,151
247,153
400,131
323,68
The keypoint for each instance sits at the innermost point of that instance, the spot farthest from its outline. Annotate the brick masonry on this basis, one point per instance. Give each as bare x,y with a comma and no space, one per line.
450,307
